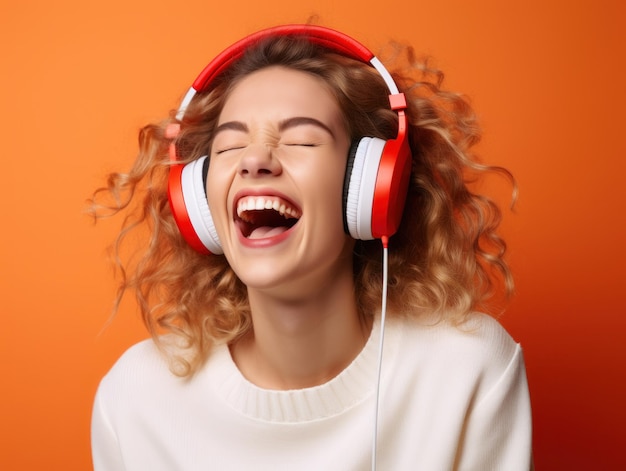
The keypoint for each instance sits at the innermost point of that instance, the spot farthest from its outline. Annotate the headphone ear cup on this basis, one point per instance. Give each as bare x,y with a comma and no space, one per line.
188,200
360,185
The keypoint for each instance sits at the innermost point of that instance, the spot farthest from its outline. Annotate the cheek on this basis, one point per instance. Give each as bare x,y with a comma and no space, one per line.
325,189
322,176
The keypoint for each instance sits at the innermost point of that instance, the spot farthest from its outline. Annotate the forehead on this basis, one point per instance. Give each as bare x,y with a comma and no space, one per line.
279,92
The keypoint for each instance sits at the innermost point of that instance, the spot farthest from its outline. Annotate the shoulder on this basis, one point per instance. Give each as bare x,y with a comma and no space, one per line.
143,355
142,381
142,362
476,353
144,367
478,336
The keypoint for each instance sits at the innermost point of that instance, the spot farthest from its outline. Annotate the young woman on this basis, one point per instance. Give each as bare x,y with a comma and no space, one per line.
279,342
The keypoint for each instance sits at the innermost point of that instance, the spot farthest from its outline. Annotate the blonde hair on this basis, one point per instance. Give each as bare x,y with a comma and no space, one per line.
446,258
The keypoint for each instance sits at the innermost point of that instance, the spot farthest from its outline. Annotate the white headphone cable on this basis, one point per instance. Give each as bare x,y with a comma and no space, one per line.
383,316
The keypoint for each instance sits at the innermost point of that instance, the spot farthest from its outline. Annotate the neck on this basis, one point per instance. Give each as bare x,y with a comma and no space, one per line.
303,341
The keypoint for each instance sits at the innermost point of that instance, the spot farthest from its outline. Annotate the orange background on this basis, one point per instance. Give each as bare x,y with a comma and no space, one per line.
79,78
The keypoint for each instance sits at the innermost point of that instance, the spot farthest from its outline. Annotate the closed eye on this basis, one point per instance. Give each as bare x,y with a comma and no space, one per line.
228,149
301,144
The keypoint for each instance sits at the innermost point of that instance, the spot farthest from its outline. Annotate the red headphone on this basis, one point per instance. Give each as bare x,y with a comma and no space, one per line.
377,173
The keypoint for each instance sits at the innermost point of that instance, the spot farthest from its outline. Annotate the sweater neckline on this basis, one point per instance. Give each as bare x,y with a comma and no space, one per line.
349,388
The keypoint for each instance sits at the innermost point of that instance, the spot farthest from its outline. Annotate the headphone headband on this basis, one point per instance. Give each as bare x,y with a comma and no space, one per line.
328,38
381,168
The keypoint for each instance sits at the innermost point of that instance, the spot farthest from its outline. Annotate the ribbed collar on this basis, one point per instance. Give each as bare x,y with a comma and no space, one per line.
351,387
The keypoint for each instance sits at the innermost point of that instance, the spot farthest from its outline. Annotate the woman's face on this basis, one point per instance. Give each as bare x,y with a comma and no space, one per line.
275,181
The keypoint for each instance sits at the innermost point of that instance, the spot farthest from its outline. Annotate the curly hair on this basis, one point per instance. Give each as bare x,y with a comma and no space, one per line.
446,258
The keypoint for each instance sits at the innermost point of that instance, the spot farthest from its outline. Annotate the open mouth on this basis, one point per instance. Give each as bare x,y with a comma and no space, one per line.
261,217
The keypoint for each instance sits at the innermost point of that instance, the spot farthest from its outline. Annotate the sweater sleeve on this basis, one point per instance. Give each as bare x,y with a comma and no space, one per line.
106,454
498,434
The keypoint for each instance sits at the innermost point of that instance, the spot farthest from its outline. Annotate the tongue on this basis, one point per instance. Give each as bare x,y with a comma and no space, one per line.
266,232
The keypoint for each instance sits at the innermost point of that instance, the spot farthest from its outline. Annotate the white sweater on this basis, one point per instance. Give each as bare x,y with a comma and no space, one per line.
451,399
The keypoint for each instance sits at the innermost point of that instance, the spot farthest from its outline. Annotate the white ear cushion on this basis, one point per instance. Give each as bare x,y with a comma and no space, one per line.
360,200
197,205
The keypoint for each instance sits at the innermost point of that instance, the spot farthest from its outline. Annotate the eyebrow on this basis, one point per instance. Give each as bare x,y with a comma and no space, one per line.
232,125
282,125
303,121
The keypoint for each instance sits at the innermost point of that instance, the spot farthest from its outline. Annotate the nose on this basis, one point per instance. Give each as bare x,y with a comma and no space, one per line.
258,161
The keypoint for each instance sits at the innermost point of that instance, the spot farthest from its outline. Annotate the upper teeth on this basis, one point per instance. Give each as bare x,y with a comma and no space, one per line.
257,203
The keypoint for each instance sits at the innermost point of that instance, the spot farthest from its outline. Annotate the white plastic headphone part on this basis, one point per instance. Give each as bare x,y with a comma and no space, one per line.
197,205
185,103
382,70
354,187
360,201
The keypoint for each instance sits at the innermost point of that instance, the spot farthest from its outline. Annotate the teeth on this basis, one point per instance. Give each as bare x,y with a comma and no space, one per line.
258,203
